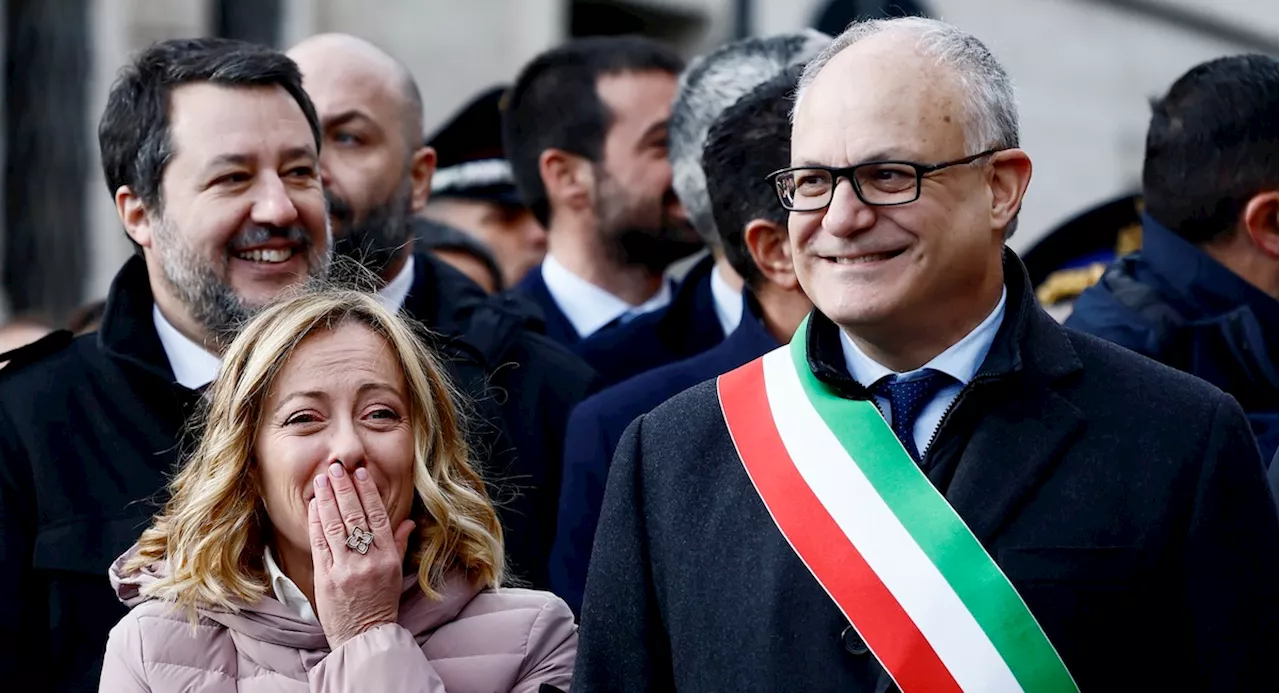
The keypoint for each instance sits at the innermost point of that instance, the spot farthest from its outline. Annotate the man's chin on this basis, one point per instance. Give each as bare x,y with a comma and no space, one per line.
656,254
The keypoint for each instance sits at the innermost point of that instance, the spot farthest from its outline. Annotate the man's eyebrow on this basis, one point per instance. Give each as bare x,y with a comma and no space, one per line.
661,125
304,152
229,160
345,117
236,159
882,155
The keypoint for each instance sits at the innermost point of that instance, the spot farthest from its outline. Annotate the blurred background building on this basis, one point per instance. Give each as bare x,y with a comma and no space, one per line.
1085,70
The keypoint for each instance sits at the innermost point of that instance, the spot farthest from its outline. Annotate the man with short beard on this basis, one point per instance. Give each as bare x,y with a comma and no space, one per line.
377,176
585,130
210,150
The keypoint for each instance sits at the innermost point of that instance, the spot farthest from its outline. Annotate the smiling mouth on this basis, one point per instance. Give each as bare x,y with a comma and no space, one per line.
267,256
865,259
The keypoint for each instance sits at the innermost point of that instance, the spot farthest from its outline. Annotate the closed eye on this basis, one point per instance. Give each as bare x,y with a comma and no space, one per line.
385,414
232,178
301,418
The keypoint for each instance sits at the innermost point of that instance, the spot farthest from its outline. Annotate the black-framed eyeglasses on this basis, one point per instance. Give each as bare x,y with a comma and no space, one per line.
876,183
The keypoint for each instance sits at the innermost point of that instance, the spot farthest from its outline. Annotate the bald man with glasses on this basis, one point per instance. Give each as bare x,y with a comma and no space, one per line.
934,486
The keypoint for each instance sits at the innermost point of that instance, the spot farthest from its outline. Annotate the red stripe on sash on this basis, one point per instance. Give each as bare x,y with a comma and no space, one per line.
819,542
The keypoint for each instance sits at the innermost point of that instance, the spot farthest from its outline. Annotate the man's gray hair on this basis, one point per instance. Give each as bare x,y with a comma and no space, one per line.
707,87
991,117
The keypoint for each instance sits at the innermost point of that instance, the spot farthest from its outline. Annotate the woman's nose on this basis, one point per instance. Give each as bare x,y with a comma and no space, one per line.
346,447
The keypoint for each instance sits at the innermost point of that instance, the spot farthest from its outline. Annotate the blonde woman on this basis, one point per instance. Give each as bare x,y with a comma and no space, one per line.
329,533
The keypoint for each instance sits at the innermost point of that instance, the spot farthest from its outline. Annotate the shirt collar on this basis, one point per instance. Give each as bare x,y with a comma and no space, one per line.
286,591
960,361
393,295
589,307
192,365
728,303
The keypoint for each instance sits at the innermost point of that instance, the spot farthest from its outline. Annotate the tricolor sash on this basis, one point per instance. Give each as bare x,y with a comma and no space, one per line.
891,552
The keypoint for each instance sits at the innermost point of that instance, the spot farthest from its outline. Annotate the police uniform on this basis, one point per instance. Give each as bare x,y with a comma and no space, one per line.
1073,255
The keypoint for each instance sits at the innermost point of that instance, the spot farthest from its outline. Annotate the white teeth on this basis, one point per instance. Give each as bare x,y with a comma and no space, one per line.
861,259
270,255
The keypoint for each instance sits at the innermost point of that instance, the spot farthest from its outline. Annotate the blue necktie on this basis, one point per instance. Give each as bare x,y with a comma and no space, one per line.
907,398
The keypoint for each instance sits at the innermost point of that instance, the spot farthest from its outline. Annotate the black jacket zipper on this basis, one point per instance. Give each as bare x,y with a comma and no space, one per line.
946,415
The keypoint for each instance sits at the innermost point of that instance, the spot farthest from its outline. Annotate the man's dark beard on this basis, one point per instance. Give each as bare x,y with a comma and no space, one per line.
375,241
656,252
628,243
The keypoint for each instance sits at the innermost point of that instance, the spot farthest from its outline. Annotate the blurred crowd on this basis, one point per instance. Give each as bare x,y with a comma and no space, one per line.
640,374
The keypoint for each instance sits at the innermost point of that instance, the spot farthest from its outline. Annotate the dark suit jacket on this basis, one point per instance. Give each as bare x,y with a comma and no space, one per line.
1124,500
523,386
686,327
596,426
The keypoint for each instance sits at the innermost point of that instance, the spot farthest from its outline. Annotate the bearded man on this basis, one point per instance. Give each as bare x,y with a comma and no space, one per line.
585,131
211,152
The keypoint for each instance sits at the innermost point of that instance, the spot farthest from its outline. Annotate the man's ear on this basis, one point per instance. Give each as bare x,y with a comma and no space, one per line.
1009,178
771,250
421,169
133,215
568,179
1259,221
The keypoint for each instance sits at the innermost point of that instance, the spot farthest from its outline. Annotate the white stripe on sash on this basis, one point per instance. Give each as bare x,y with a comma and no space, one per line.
876,533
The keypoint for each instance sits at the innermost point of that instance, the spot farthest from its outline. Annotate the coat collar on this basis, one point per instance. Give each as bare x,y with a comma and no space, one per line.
128,332
1027,339
440,296
752,336
689,325
1201,281
1016,421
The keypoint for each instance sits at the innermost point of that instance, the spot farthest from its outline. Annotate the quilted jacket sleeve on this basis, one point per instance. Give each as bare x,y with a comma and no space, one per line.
384,659
122,669
552,649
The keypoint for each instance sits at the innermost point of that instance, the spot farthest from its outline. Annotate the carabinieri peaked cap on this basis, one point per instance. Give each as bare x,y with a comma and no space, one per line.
1073,255
469,158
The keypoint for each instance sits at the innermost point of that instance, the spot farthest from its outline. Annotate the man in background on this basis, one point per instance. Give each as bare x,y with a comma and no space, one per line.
753,141
710,84
585,130
377,175
1201,294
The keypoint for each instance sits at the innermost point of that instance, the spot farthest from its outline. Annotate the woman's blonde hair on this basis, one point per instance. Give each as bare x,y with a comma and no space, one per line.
211,534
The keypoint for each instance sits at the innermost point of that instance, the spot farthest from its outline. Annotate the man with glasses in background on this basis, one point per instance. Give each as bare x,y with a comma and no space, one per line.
935,485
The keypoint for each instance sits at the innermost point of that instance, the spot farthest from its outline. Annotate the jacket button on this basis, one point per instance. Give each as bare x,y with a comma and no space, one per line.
853,642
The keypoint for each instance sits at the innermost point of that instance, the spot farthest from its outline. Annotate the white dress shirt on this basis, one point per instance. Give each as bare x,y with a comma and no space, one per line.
286,591
960,361
589,307
393,295
193,366
728,302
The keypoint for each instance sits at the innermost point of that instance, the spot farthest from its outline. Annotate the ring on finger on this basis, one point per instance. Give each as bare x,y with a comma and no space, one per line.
360,541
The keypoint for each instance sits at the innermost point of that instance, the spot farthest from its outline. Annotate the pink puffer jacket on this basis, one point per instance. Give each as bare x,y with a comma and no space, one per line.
472,640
